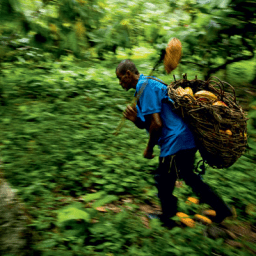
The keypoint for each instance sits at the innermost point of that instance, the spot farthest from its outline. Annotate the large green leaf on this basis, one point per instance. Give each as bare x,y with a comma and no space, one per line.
94,196
72,213
107,199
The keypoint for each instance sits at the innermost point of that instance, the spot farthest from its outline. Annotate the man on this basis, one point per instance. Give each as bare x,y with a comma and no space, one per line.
154,113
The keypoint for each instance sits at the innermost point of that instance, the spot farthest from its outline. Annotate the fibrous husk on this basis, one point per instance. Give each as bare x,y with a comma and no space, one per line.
172,55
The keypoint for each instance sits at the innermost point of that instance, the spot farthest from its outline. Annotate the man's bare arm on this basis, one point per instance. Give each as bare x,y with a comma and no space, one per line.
155,131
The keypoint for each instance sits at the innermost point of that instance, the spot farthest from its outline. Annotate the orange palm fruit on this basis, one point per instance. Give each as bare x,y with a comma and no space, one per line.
211,213
182,215
185,219
192,200
188,222
203,219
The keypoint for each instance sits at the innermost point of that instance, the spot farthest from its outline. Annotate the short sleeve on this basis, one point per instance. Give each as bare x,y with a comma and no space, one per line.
151,100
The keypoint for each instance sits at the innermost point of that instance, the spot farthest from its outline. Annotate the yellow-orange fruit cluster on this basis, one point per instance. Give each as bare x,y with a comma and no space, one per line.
192,200
203,219
211,213
185,219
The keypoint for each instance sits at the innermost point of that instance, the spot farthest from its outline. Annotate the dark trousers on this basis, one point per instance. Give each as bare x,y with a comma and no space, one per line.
181,165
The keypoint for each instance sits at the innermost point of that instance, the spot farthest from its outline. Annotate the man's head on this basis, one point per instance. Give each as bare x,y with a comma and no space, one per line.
127,74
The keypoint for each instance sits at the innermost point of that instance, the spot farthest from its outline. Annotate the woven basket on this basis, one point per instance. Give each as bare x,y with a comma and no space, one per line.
220,131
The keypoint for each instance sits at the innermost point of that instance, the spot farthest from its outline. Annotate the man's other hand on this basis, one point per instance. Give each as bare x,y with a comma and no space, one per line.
148,153
130,113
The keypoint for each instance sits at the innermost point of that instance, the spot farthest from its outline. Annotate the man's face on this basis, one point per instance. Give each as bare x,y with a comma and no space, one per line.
125,80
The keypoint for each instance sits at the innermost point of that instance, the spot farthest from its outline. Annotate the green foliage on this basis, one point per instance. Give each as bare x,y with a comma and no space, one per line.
224,28
72,213
58,116
57,148
9,10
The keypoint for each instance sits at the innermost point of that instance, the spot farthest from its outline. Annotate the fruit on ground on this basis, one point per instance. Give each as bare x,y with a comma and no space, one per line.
185,219
192,200
209,212
203,219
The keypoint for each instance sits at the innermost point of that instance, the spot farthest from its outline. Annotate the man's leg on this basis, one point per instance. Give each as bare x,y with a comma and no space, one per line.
185,163
165,182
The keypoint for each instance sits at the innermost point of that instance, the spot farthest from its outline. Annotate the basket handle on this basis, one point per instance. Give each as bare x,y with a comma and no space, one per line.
220,84
222,89
232,90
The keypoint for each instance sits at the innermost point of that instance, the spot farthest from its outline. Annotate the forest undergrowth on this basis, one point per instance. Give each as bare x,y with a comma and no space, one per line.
87,191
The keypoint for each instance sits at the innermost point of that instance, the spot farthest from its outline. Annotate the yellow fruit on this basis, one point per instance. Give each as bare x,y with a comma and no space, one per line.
209,213
180,91
228,132
185,219
243,135
192,200
188,222
182,215
203,219
205,94
219,103
189,91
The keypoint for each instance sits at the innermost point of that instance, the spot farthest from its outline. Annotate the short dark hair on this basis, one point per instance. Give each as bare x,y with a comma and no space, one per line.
125,65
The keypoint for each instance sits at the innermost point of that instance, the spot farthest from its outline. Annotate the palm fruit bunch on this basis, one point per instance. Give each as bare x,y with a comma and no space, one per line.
215,118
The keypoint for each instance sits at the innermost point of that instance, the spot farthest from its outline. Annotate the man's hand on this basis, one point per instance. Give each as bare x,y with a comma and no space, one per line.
130,113
148,153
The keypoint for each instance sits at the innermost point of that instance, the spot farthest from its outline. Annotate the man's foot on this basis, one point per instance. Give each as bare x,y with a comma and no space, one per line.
231,212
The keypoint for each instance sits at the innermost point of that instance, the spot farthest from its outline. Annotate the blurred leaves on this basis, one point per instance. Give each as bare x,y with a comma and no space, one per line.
58,115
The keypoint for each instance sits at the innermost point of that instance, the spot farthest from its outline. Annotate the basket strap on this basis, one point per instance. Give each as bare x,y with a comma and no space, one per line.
138,95
158,80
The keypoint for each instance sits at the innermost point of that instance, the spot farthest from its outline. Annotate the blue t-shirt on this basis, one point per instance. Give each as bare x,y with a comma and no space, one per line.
175,135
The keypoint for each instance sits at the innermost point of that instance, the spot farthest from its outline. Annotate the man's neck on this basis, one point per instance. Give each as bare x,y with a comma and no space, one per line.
136,79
